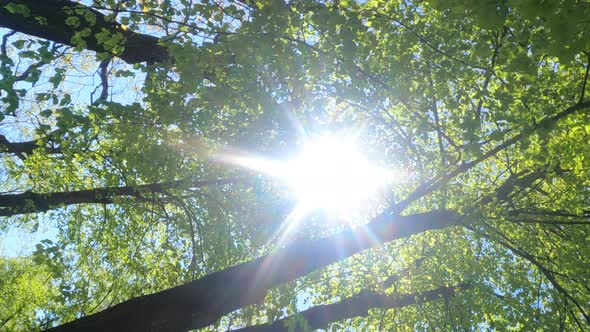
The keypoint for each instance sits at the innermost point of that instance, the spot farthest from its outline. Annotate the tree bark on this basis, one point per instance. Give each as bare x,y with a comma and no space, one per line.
321,316
202,302
30,202
24,148
137,47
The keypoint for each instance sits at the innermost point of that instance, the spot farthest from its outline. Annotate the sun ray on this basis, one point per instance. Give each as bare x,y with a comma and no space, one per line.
329,174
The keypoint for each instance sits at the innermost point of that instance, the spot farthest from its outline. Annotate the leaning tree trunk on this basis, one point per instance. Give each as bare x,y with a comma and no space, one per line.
202,302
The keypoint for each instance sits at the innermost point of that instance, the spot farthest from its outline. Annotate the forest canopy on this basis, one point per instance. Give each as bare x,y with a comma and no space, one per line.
212,165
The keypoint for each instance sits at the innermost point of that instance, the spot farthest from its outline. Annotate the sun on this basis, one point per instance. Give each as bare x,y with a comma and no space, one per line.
330,173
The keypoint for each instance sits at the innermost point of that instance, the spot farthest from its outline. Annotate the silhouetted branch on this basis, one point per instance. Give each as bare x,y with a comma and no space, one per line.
319,317
137,47
30,202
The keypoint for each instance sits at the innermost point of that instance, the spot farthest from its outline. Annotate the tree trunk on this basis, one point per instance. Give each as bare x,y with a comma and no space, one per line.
137,47
30,202
202,302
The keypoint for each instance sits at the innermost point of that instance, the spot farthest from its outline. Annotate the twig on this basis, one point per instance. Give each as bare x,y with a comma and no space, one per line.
585,77
104,82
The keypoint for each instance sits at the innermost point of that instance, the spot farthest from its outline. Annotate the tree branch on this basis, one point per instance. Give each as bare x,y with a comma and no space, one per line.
321,316
30,202
434,184
137,47
24,148
202,302
506,242
103,73
585,81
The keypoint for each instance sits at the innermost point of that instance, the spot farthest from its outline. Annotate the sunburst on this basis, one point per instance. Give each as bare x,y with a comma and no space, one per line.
330,173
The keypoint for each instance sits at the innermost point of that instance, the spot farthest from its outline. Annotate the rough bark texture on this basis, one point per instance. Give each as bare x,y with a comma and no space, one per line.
321,316
137,47
30,202
200,303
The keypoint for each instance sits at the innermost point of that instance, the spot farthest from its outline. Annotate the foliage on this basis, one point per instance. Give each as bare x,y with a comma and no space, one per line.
26,290
482,102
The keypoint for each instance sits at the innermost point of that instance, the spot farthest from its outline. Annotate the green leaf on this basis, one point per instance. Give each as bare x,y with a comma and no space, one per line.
19,44
15,8
73,21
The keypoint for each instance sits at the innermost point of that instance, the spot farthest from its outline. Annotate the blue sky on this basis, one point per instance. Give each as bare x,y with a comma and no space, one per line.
81,80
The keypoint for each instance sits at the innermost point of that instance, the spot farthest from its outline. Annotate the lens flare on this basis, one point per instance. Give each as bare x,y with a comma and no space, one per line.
331,174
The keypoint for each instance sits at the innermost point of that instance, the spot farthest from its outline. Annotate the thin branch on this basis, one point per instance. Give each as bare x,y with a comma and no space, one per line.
422,39
505,241
549,222
489,73
193,220
582,95
521,180
437,123
103,73
35,66
434,184
551,213
3,51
